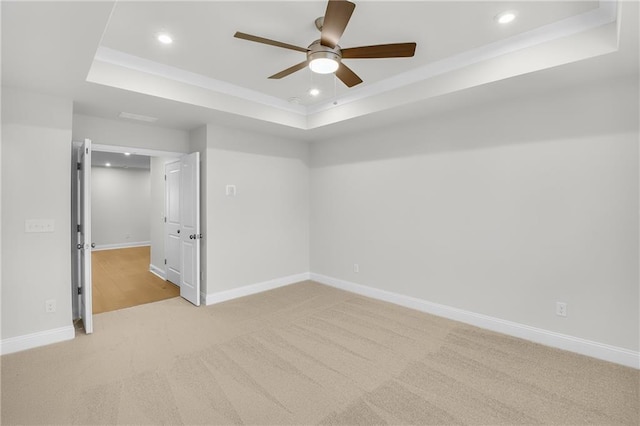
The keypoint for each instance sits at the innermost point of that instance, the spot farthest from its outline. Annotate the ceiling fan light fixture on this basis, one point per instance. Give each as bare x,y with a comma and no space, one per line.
323,62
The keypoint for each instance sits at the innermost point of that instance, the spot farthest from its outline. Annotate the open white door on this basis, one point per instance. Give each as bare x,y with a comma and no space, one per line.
190,228
84,235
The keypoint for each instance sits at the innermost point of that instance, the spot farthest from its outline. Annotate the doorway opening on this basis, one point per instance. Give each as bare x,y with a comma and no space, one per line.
121,279
122,263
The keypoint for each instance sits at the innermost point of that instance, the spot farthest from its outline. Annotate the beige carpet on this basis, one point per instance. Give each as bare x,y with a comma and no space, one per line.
306,354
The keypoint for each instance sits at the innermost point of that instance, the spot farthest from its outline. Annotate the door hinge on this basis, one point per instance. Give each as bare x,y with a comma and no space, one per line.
165,177
79,290
165,261
79,166
165,219
79,228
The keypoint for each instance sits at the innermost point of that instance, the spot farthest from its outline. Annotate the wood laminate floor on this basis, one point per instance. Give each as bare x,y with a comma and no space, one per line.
121,279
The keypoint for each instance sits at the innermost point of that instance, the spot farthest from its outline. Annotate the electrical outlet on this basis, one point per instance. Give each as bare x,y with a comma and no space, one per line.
356,268
50,305
561,309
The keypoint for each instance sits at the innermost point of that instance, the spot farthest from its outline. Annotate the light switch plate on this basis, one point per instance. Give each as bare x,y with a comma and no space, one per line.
39,225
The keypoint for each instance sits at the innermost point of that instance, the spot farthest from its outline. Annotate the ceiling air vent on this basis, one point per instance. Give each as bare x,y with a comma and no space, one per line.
138,117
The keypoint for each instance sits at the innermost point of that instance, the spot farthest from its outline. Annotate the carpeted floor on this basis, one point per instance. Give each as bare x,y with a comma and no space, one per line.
307,354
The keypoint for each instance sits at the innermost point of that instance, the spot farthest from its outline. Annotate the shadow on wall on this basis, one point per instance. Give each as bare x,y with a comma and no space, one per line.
567,114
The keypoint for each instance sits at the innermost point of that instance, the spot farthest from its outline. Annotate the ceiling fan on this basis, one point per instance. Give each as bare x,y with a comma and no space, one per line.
325,56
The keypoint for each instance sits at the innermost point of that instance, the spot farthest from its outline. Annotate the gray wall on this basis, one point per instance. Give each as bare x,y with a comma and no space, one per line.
120,206
127,134
501,210
36,184
262,233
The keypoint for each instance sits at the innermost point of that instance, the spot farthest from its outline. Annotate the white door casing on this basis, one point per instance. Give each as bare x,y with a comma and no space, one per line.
172,221
190,228
84,235
188,249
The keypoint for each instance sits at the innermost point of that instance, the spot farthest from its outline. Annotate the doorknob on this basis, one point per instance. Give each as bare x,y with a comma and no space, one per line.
178,231
93,245
79,246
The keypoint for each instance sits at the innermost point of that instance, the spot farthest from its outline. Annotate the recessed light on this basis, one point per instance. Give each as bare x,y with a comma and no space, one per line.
108,164
165,38
314,92
127,154
505,17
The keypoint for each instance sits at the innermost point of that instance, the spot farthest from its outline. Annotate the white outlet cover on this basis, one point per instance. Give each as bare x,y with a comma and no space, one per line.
231,190
561,309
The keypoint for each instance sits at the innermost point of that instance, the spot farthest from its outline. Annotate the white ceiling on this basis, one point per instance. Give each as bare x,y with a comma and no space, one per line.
204,43
105,57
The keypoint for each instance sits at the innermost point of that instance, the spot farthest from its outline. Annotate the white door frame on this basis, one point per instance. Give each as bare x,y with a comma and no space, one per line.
103,148
81,244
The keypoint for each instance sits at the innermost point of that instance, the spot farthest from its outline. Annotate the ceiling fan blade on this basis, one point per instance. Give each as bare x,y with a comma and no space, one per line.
336,19
394,50
289,70
268,41
347,76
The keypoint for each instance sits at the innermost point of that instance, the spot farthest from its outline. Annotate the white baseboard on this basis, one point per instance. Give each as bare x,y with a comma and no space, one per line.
159,272
99,247
33,340
247,290
590,348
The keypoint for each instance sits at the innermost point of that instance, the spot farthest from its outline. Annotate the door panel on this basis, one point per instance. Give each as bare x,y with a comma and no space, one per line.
172,226
84,236
190,236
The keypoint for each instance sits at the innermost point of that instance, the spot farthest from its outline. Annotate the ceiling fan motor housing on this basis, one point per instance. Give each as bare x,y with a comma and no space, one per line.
317,51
